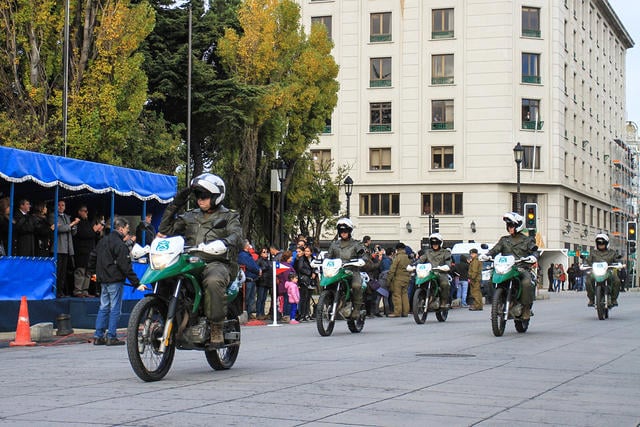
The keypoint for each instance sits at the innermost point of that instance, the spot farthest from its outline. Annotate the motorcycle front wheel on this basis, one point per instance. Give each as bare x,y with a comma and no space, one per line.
601,303
421,302
223,358
144,335
323,313
498,321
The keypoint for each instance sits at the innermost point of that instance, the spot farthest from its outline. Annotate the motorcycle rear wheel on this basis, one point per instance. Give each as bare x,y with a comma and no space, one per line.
144,333
223,358
521,325
420,305
323,313
498,322
442,315
356,325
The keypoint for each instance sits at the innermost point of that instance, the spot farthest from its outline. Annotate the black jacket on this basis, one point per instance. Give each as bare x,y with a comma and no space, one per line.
111,261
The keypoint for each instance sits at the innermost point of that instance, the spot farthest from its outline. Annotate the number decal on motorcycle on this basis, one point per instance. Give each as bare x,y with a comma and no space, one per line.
162,245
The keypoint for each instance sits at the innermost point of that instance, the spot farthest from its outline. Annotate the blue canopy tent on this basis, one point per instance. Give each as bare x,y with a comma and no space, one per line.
37,176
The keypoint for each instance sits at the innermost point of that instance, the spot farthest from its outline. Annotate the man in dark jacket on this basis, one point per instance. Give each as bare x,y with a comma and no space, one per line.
112,264
252,272
84,242
24,228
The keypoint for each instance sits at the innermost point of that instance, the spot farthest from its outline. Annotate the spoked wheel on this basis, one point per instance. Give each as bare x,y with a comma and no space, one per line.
420,306
442,315
498,321
323,313
224,358
521,325
601,305
356,325
144,334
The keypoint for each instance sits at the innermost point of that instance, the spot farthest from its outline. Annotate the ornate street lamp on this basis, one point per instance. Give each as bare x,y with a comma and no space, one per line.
518,154
348,190
281,167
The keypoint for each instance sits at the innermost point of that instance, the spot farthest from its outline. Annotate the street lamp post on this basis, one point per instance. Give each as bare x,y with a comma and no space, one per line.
518,153
281,166
348,188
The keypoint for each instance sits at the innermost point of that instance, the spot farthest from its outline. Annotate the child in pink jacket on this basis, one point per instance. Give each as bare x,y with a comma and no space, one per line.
294,295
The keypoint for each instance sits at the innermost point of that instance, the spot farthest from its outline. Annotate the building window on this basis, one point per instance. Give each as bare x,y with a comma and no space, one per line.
531,158
442,203
566,208
321,159
441,157
380,117
531,114
379,159
327,126
380,72
380,204
531,68
380,27
324,20
442,24
442,114
441,69
530,22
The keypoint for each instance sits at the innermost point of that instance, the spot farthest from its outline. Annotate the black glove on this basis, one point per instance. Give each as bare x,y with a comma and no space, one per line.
182,197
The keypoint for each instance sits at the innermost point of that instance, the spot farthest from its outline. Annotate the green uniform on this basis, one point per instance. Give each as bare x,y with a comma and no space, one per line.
439,258
475,278
348,250
197,227
520,246
399,277
609,256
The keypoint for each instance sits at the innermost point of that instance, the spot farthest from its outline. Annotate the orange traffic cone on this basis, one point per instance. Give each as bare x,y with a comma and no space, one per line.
23,330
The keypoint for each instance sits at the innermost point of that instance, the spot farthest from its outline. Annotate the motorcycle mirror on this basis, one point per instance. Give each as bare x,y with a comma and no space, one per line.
485,246
535,248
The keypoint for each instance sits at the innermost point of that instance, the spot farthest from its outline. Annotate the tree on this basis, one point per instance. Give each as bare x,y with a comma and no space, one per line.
295,77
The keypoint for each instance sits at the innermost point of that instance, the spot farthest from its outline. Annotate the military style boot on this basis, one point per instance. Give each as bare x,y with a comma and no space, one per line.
526,312
217,334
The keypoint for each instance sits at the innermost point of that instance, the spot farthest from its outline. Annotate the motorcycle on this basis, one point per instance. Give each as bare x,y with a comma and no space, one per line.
172,316
426,296
601,273
506,294
335,301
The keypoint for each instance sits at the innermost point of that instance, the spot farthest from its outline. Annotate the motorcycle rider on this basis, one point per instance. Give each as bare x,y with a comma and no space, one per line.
346,248
197,227
610,256
438,256
519,245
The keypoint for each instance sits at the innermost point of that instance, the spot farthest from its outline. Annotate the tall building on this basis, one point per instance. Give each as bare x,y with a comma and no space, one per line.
435,95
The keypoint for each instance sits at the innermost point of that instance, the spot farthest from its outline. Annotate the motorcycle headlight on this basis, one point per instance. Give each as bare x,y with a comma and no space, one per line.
423,270
159,261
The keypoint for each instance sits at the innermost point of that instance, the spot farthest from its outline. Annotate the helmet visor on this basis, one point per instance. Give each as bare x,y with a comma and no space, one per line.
202,194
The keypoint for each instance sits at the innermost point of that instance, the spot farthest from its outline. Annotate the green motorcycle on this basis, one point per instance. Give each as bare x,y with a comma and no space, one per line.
173,316
426,296
601,273
335,299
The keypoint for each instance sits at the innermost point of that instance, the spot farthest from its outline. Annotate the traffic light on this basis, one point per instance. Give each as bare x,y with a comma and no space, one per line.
435,225
631,231
531,215
632,247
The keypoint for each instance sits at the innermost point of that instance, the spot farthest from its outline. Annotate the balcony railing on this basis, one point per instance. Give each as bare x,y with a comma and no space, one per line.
441,125
380,128
380,83
442,34
374,38
442,80
530,33
531,79
532,125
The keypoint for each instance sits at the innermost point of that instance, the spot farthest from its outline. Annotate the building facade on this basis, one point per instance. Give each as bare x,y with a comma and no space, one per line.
434,96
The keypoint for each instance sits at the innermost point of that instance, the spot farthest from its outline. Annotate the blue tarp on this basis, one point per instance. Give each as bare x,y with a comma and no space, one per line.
35,277
72,174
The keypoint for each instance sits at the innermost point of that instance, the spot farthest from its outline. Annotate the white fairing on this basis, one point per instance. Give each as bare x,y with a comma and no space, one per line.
138,251
165,251
330,267
423,270
599,268
503,263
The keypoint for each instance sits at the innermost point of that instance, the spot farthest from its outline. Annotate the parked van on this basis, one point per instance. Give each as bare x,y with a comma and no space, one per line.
487,267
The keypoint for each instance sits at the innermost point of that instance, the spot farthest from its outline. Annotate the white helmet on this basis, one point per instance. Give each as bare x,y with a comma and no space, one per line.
211,184
345,224
602,238
436,238
515,219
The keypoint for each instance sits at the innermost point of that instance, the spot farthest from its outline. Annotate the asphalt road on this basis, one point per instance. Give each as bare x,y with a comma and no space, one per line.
569,369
